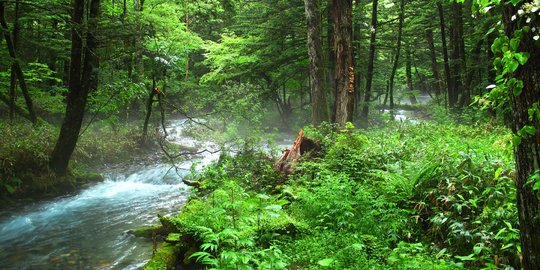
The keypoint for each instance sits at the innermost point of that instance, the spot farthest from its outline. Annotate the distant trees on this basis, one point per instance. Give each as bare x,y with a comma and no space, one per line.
16,70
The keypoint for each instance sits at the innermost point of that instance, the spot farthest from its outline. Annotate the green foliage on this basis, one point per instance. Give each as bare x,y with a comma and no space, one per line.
424,196
236,228
23,154
415,256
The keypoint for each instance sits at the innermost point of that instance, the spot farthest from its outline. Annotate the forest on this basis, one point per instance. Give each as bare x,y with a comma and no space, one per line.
270,134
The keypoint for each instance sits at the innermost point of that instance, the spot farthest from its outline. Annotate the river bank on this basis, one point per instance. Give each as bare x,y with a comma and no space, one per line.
87,228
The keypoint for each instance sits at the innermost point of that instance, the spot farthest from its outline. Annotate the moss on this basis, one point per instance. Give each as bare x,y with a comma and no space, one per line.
148,232
164,258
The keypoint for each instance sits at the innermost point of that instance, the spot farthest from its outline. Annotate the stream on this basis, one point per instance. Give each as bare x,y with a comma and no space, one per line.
88,230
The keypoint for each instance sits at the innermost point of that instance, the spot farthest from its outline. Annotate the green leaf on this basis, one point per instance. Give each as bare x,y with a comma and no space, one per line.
326,262
9,188
514,44
536,185
511,65
477,249
515,2
517,90
498,172
522,57
516,140
273,207
263,196
469,257
496,46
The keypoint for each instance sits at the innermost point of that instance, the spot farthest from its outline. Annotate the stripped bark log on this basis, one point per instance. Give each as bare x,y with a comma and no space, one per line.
301,146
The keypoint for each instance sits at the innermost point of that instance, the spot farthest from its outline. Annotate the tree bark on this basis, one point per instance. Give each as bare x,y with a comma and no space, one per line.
16,68
79,87
398,52
449,83
319,105
344,69
526,153
149,104
371,60
457,64
434,66
330,57
408,74
465,97
13,79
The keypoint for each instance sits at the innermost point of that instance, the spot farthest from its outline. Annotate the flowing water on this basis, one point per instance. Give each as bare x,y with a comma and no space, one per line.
88,230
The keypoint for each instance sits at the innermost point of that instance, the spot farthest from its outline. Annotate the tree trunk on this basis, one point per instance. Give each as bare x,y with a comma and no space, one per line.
319,105
330,56
527,153
434,66
16,68
465,98
13,79
457,58
475,58
398,52
371,60
344,69
449,83
79,87
408,73
149,104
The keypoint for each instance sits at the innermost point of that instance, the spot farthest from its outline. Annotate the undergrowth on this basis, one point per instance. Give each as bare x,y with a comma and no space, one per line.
26,148
436,195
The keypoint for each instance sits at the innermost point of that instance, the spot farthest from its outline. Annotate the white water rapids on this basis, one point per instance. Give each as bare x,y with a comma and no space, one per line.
88,230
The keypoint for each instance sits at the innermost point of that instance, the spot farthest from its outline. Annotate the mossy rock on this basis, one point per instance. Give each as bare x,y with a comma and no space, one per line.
164,258
148,232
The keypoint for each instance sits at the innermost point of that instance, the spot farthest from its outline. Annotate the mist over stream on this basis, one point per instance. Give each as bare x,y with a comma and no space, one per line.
88,230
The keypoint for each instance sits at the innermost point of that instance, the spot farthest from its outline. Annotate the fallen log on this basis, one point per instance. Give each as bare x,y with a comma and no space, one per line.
301,146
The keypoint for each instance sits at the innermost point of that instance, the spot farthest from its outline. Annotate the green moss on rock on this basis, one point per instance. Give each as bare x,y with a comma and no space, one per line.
164,258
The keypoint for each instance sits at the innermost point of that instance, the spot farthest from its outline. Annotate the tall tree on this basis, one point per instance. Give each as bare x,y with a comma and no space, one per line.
16,67
13,80
408,75
457,57
371,60
319,106
434,66
344,69
83,77
398,52
526,125
449,83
